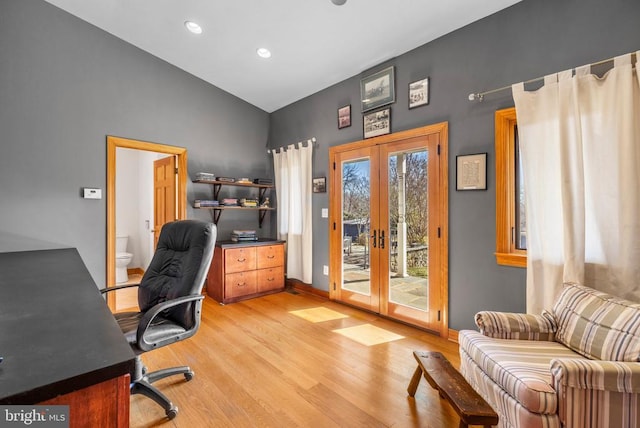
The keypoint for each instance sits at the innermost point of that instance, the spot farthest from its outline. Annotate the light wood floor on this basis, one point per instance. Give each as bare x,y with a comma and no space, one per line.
279,361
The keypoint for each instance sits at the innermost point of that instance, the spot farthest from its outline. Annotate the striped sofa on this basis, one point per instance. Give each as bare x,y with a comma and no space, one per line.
576,366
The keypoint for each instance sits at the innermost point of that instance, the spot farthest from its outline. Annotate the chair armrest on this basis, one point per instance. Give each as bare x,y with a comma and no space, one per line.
614,376
117,287
152,313
509,325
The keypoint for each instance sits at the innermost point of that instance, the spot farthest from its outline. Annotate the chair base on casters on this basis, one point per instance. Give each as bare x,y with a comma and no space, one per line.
142,384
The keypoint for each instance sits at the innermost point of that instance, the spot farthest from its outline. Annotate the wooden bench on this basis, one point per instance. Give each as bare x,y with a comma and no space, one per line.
441,375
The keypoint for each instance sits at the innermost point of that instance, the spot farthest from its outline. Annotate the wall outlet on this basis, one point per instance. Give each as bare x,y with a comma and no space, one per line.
325,270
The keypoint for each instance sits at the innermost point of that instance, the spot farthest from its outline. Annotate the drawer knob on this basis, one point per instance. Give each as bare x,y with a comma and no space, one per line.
241,284
270,279
271,257
242,260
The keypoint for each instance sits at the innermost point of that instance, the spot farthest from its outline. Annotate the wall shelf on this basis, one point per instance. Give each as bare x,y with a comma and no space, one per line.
217,211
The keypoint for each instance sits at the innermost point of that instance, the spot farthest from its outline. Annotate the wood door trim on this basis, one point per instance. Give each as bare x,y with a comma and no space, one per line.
440,128
112,144
335,243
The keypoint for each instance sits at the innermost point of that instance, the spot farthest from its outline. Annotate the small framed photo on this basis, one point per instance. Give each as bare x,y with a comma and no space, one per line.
378,89
419,93
344,116
471,172
320,185
377,123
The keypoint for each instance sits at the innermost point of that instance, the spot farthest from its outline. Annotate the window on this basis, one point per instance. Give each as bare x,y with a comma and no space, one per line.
511,228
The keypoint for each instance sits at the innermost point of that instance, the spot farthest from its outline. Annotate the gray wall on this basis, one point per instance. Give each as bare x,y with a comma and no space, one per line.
528,40
64,86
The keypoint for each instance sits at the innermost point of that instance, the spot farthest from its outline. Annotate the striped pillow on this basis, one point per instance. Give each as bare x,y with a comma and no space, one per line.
598,325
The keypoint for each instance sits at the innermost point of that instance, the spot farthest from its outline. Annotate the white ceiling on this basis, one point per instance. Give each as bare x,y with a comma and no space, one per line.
315,43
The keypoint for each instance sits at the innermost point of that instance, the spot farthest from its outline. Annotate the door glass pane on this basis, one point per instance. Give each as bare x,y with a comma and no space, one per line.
356,190
408,229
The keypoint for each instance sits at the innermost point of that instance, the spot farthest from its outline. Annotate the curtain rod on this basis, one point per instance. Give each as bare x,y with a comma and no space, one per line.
309,141
480,95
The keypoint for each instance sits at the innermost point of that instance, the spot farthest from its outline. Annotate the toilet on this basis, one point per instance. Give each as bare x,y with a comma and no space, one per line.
122,259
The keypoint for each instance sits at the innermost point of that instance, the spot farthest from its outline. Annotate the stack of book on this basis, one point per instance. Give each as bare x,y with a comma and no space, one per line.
205,176
226,179
263,181
202,203
243,180
246,202
244,236
230,201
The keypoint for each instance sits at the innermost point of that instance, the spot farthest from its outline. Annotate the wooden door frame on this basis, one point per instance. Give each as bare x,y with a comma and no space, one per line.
335,242
118,142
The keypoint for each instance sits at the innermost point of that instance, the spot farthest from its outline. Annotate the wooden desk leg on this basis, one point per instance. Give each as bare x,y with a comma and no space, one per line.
415,380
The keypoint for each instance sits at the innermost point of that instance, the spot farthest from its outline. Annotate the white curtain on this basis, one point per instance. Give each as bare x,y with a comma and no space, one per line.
293,172
580,148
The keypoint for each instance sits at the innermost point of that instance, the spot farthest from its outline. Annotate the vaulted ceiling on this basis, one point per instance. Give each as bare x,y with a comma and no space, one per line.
314,43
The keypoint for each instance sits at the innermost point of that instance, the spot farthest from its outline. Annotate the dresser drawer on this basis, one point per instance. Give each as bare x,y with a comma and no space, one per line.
239,259
270,256
270,278
240,284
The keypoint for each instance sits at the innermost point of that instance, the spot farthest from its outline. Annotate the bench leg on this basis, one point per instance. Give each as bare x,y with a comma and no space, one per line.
415,380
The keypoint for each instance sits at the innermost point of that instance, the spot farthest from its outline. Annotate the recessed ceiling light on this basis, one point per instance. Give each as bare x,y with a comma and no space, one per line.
193,27
264,53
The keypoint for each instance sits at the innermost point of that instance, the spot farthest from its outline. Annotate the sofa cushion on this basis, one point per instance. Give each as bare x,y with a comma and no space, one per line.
598,325
520,367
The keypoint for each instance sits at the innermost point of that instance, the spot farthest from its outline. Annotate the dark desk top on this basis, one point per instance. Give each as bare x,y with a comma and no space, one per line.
57,334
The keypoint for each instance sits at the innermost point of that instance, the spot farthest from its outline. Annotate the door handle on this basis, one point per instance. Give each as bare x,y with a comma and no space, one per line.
374,238
382,239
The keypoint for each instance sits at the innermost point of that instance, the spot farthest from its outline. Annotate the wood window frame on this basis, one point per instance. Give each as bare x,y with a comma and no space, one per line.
507,253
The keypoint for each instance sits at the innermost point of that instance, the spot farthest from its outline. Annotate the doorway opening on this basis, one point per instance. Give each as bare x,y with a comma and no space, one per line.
388,216
179,154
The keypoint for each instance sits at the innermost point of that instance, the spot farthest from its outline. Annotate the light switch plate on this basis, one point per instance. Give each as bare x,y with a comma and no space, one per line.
325,270
92,193
325,213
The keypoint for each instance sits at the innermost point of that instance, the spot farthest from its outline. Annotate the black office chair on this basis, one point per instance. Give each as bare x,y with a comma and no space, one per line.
170,301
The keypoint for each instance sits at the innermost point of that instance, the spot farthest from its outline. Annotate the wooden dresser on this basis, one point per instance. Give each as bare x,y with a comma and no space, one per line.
245,270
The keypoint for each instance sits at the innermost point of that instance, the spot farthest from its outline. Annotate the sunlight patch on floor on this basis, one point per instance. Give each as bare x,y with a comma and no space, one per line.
368,334
318,314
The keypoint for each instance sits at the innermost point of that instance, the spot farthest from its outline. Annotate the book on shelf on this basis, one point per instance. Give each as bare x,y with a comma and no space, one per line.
205,176
200,203
246,202
226,179
244,180
262,181
230,201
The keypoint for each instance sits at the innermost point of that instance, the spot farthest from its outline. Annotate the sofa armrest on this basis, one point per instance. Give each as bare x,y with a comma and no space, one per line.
509,325
594,393
615,376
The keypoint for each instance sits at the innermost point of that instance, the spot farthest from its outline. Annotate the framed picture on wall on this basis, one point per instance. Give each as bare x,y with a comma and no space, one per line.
377,123
471,172
320,185
344,116
419,93
378,89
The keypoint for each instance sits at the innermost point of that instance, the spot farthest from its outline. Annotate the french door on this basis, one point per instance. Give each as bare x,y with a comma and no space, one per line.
388,217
